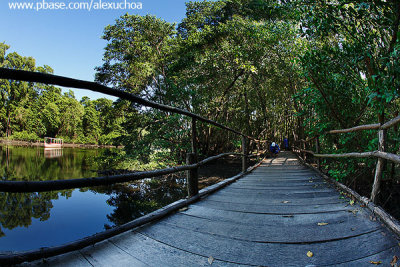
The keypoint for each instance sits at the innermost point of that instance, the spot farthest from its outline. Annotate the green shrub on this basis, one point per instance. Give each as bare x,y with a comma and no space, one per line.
25,136
108,139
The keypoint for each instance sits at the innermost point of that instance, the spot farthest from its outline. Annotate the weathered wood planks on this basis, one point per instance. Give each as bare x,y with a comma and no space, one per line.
267,218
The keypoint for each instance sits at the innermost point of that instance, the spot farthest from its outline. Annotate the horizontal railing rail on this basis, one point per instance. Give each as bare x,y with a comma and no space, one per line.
43,186
29,76
380,153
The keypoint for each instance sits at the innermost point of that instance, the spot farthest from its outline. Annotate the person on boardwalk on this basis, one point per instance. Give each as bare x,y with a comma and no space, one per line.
286,144
274,149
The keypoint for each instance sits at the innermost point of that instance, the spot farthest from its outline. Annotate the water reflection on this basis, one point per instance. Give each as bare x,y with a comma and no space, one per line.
18,209
51,153
38,164
140,198
33,220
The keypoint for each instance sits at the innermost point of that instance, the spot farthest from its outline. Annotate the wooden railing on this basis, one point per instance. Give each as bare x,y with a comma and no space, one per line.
380,153
192,165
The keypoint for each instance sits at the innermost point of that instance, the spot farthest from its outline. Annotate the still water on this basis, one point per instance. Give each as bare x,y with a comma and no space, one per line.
33,220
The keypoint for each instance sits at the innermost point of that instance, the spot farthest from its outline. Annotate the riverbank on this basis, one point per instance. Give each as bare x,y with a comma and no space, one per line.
41,144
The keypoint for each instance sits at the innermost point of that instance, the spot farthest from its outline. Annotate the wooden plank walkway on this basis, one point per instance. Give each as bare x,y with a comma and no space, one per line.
267,218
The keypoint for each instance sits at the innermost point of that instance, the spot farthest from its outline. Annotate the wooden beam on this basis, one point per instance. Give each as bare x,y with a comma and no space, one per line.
244,152
391,123
378,154
379,167
192,177
357,128
317,150
194,138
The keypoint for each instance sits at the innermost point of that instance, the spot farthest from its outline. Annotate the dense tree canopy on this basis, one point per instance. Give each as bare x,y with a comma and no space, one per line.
31,111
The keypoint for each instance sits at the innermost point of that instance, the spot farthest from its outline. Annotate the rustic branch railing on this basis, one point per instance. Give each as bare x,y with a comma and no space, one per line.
43,186
380,153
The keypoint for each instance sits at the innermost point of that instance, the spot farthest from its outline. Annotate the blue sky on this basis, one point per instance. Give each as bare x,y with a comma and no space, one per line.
70,41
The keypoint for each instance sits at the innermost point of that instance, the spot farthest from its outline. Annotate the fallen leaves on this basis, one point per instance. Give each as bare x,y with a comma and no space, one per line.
353,211
210,260
310,254
285,202
184,209
351,202
376,262
393,263
322,224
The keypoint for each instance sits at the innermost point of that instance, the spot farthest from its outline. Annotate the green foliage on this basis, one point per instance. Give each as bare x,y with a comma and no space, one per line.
30,112
25,136
132,67
352,69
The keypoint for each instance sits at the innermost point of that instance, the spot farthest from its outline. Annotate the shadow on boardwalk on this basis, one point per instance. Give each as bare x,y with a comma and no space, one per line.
270,217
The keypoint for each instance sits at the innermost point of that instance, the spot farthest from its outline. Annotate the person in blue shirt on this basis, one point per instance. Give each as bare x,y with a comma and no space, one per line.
286,144
274,148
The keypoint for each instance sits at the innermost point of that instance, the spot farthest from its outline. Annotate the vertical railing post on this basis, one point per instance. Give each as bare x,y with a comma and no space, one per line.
258,150
192,175
194,137
244,152
317,150
379,167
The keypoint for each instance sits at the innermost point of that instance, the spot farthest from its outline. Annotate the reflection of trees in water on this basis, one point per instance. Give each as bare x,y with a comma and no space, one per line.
130,200
29,163
18,209
134,200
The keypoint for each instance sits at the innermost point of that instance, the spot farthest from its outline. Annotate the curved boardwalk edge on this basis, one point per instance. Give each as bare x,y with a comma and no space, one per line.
20,257
386,218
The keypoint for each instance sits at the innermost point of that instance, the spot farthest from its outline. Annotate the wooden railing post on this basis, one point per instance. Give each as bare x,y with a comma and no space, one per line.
379,167
244,152
194,138
191,158
192,176
317,150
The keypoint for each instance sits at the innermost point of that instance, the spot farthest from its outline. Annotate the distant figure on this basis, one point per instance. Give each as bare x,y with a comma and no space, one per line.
286,144
274,149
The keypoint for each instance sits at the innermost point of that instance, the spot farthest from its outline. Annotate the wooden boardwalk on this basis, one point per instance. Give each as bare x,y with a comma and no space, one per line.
269,217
